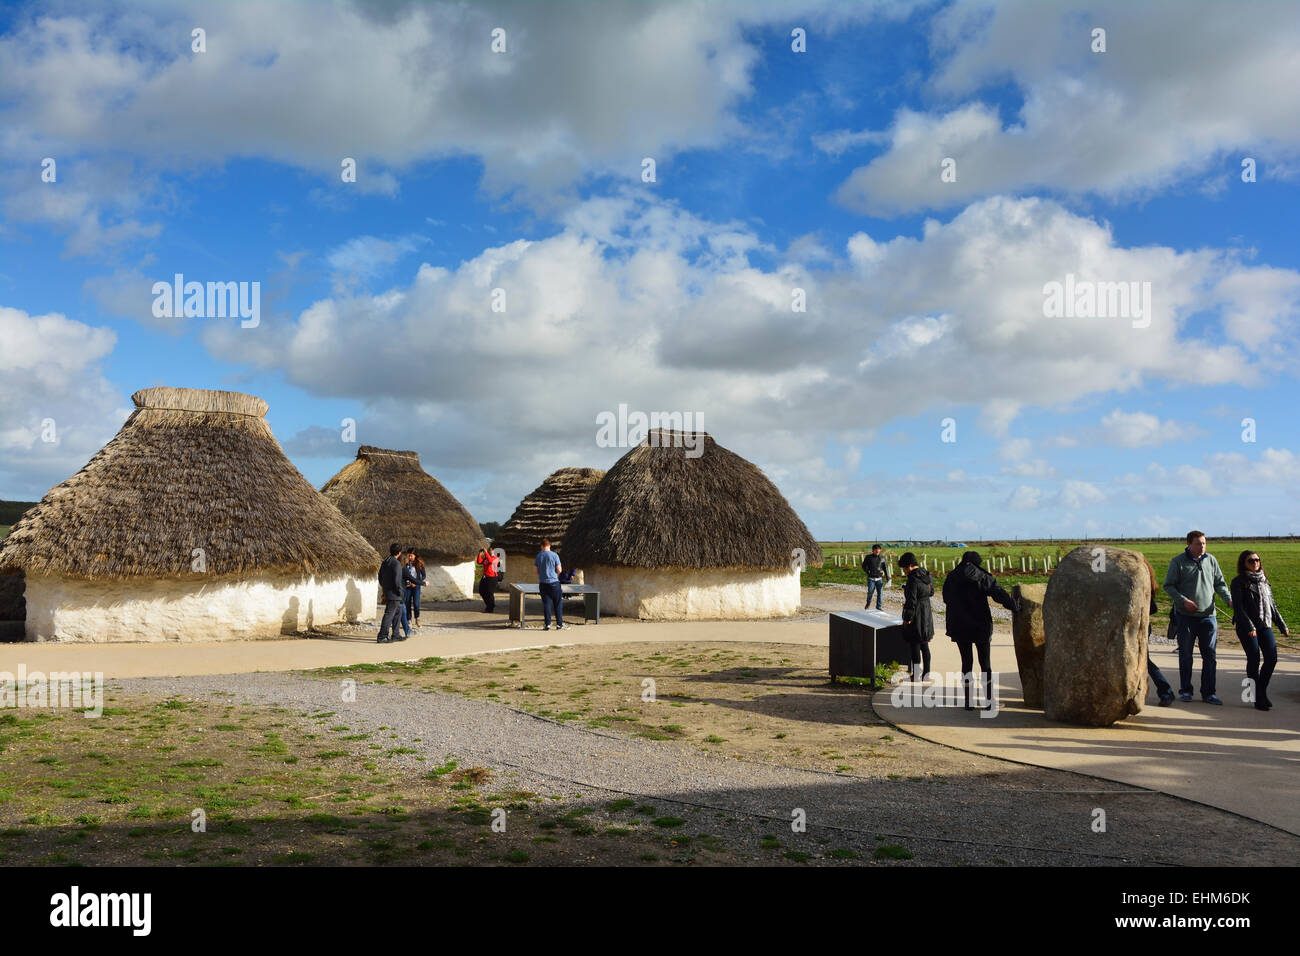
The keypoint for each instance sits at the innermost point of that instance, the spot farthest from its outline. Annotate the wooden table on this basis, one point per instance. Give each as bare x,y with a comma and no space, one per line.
590,600
862,639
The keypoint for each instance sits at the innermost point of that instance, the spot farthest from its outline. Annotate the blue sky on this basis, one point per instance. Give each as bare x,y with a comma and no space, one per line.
776,170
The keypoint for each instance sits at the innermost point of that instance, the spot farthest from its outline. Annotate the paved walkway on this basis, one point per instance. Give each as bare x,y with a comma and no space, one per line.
1233,757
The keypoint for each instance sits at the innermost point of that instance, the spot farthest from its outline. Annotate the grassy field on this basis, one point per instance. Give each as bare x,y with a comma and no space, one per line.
1281,563
294,789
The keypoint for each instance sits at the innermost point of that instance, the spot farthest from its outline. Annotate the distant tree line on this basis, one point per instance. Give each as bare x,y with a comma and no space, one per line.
11,511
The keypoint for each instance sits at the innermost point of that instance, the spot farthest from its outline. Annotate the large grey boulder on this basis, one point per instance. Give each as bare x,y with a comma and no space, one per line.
1027,630
1095,630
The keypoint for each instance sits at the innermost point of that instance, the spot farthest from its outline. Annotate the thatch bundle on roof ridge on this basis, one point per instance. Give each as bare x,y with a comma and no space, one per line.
389,498
547,511
665,505
190,469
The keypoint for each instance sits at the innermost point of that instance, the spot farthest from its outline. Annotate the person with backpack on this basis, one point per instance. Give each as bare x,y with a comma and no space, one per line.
918,617
390,582
966,592
1254,614
874,565
487,585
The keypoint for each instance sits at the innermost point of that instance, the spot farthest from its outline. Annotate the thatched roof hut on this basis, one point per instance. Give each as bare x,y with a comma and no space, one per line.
389,498
544,513
194,490
682,527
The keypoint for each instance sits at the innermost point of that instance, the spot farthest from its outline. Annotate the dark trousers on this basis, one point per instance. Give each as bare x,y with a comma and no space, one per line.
1262,641
1203,632
552,597
878,586
967,649
413,604
487,590
1163,689
392,614
921,655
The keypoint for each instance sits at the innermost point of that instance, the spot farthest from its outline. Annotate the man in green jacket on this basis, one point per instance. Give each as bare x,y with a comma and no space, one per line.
1194,578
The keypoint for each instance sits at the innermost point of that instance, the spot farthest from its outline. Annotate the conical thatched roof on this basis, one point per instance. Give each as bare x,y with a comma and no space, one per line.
658,508
547,511
389,498
190,469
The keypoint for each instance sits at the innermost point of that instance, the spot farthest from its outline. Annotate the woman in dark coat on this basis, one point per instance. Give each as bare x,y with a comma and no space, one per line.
966,593
918,618
1254,612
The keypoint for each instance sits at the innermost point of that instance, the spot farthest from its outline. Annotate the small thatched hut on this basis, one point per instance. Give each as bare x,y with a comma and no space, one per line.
544,513
670,535
190,525
389,498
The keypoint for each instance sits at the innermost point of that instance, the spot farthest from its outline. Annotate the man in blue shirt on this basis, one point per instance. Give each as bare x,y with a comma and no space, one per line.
1193,580
548,567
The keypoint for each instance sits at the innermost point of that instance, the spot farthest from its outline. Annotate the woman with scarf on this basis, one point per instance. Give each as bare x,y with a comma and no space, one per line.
1254,612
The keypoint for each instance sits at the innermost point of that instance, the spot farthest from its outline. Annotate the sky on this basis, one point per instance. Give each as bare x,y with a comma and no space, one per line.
827,231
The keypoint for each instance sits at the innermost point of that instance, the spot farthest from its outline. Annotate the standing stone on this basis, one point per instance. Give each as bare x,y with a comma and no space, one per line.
1095,630
1027,630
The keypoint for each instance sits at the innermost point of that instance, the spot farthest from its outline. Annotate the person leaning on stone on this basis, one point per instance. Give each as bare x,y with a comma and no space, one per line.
1193,579
966,593
390,582
874,565
918,617
1254,613
1164,693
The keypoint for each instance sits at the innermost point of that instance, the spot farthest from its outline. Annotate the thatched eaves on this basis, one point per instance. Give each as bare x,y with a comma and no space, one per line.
547,511
663,505
194,485
389,498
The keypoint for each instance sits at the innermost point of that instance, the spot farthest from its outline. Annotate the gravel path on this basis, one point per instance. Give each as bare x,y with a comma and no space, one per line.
939,821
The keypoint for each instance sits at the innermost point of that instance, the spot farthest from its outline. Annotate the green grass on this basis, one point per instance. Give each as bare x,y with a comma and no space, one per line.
1281,563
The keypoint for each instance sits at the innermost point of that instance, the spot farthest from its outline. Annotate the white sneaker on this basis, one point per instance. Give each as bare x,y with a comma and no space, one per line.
546,627
563,627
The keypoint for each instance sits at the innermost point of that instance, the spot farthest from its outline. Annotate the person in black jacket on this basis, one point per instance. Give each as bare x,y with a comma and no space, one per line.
390,581
918,618
1164,692
1254,612
874,566
966,591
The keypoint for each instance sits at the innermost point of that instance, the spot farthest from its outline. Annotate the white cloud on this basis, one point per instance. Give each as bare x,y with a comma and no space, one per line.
1024,498
1142,429
1078,494
635,300
51,386
366,257
582,89
1179,86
